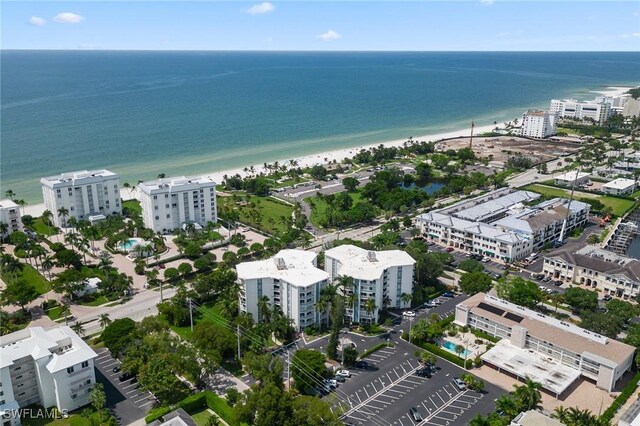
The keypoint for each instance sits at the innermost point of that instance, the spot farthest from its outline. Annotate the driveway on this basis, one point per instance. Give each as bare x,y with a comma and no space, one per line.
125,399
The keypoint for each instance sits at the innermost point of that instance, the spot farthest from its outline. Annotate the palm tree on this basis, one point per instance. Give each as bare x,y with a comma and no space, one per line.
478,420
64,312
507,405
63,213
560,413
104,321
78,328
10,265
22,203
47,216
47,263
4,228
370,306
406,298
37,251
10,194
93,234
264,309
529,394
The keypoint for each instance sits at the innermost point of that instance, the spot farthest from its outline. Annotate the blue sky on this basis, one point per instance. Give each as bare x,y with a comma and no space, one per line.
305,25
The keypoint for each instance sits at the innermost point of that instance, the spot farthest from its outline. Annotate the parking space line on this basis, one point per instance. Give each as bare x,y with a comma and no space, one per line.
146,403
129,386
131,391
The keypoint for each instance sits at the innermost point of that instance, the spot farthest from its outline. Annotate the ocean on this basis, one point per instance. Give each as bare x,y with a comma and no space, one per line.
144,113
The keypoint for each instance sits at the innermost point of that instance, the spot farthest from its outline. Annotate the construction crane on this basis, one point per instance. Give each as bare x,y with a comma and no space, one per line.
560,240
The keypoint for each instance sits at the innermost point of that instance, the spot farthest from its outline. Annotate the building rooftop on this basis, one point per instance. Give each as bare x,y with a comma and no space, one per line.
598,259
174,183
61,344
534,418
551,374
557,332
537,113
72,177
572,176
620,183
293,266
8,204
366,264
489,208
632,415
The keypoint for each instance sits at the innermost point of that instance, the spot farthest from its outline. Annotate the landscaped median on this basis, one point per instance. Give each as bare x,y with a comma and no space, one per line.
617,403
375,349
196,403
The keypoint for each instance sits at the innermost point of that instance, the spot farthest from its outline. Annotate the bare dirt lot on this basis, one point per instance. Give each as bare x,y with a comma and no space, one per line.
499,148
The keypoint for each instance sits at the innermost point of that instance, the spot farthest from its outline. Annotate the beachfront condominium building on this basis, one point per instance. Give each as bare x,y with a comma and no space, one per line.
50,368
10,216
378,276
171,203
596,269
86,195
619,186
538,124
290,281
552,352
570,108
504,224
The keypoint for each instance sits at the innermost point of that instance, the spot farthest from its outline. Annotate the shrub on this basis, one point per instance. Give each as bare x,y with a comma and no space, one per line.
437,350
617,403
232,396
373,349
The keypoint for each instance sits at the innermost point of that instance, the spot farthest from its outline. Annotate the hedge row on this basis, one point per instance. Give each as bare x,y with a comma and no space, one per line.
442,353
484,335
374,349
195,403
626,393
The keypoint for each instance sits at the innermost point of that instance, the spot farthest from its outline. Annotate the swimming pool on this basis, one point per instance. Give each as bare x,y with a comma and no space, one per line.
129,244
451,347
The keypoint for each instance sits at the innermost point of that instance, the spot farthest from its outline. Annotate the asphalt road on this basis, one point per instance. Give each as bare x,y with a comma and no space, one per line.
126,401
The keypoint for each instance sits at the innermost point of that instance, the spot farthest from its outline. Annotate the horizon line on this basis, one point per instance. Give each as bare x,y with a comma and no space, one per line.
310,50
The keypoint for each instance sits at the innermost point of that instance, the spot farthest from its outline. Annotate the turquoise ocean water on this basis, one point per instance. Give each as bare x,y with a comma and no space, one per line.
143,113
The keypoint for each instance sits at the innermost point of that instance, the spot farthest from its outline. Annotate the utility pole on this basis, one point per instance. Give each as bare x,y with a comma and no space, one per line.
289,369
161,299
190,313
410,321
238,334
471,138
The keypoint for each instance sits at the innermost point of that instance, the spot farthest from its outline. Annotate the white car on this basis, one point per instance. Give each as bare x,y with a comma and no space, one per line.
459,384
410,314
343,373
430,305
331,383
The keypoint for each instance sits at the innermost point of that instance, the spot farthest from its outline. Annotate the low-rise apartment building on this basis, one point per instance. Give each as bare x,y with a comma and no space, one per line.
597,111
568,179
619,186
538,124
503,224
595,268
552,352
290,280
46,367
381,276
10,216
169,203
86,195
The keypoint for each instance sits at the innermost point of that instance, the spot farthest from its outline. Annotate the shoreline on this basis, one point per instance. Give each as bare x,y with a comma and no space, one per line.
325,157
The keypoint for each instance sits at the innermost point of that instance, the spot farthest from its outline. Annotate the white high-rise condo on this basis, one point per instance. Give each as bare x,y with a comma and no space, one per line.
10,215
170,203
570,108
46,367
379,276
291,282
538,124
86,195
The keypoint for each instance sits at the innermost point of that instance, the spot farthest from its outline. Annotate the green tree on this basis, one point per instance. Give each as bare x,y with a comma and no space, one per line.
307,369
19,293
118,335
157,377
313,411
475,282
350,183
471,265
602,323
580,299
104,320
185,268
528,395
519,291
98,398
171,274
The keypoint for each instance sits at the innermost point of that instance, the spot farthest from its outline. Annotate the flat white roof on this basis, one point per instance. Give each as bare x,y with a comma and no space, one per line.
77,176
572,176
293,266
364,264
175,183
60,343
551,374
620,183
8,204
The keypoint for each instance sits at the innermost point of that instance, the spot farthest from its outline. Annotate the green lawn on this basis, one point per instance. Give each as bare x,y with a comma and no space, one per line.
619,205
39,226
205,315
54,313
289,182
33,277
99,300
270,210
201,417
74,419
320,206
133,205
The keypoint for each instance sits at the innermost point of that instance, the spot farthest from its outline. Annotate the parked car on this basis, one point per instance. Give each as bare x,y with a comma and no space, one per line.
343,373
449,249
558,283
424,372
125,376
331,382
430,305
486,259
459,383
448,294
116,369
607,297
410,314
415,414
362,364
497,276
340,379
546,279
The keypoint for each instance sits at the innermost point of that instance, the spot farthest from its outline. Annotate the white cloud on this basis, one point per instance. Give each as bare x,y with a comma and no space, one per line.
630,35
261,8
68,18
37,21
329,35
487,2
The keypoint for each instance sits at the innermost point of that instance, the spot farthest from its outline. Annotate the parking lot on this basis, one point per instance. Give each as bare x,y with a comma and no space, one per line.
126,400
